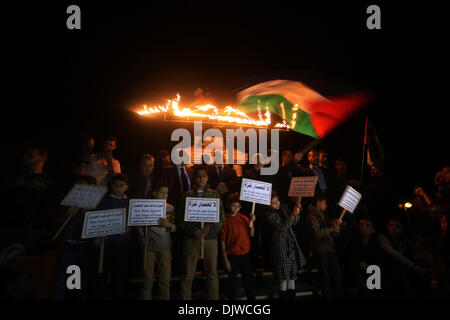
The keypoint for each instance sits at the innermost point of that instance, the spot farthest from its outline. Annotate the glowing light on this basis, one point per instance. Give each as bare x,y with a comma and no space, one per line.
408,205
228,115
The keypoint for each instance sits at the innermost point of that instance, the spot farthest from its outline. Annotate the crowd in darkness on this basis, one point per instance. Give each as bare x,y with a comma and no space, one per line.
410,244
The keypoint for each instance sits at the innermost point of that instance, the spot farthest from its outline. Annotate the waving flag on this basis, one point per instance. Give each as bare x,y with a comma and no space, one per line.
375,151
302,108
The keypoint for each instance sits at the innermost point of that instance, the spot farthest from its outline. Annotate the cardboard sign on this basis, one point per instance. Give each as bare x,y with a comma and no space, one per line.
350,199
302,186
84,196
256,191
104,223
146,212
202,209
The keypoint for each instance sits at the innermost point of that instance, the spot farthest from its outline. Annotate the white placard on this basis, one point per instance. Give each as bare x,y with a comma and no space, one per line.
146,212
350,199
302,186
104,223
256,191
202,210
84,196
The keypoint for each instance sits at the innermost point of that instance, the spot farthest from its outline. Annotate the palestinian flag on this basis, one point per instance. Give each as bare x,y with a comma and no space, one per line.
302,108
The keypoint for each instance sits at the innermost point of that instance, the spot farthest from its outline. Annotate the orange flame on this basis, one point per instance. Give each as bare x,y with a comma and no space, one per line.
228,114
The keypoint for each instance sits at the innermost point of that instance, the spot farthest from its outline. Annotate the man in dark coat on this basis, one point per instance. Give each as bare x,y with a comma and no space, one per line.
141,184
223,178
179,178
141,181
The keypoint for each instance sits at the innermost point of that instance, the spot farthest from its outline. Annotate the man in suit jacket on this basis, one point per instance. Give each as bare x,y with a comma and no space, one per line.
180,180
178,184
141,181
223,178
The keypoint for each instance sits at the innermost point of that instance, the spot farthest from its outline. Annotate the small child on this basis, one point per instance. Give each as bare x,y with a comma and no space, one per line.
116,256
321,234
235,240
98,168
363,253
158,249
192,242
287,257
102,166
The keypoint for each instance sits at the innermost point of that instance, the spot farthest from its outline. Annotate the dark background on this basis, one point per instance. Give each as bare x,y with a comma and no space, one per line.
60,82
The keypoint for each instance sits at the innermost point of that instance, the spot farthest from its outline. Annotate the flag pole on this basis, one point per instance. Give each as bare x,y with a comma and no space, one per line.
145,248
311,145
253,212
202,244
364,150
62,227
101,258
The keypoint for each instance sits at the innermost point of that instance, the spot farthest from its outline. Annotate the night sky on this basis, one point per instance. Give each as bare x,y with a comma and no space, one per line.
60,82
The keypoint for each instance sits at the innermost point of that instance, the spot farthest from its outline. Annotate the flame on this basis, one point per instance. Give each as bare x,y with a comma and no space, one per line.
228,114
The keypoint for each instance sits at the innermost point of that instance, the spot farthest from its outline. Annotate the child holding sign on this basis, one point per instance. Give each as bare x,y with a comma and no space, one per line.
116,246
287,257
235,240
73,250
158,250
192,243
321,234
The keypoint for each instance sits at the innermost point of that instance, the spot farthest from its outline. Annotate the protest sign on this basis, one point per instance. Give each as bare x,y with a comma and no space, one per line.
146,212
349,199
84,196
302,186
201,210
104,223
256,191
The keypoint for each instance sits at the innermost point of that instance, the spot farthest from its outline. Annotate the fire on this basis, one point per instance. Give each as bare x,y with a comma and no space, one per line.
228,114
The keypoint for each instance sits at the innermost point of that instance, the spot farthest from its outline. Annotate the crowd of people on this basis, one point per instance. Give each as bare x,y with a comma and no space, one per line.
409,244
